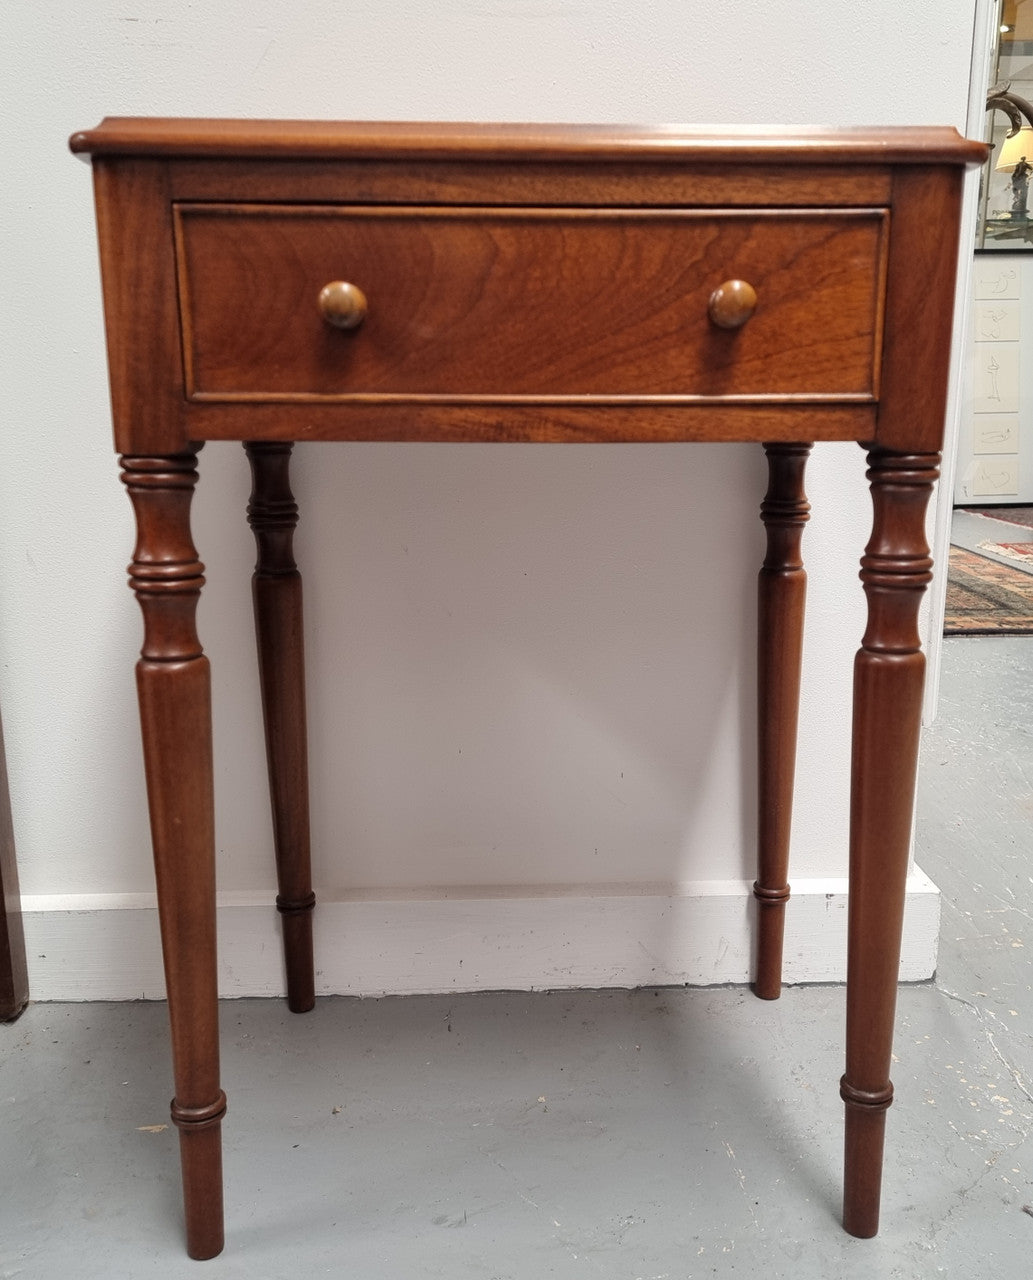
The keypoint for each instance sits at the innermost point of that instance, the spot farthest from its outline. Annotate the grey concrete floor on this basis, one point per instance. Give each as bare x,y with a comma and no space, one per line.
668,1134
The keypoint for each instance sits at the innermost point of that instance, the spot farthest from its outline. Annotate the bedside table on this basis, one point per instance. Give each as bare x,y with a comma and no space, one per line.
274,282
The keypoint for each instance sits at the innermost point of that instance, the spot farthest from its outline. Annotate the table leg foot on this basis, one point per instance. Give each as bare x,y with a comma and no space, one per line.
296,923
862,1163
200,1149
771,918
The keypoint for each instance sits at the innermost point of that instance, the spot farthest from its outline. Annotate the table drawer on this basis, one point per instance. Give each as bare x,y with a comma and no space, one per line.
489,304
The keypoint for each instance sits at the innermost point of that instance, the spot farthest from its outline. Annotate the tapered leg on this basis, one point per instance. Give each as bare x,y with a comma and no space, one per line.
782,587
276,589
175,713
888,678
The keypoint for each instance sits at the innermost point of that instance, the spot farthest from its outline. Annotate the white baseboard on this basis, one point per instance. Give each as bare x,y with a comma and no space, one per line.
105,947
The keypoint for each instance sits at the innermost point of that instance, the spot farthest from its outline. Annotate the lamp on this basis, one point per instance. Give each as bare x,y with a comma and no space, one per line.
1016,155
1015,147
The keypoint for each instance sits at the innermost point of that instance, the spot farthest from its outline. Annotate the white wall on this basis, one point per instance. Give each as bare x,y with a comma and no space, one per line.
530,667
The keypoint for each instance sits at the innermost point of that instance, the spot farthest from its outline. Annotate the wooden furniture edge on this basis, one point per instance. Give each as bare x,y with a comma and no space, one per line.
312,139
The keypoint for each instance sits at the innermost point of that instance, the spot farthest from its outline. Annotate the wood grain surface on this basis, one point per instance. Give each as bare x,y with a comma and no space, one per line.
547,303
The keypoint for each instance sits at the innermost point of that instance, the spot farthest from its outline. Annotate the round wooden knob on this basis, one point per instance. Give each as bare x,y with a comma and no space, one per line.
732,303
342,304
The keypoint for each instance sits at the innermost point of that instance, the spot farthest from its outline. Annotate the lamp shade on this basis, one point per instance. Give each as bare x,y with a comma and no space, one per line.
1014,148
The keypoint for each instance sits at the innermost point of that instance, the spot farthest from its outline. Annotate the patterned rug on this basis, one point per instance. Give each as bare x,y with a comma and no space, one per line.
986,598
1020,551
1011,515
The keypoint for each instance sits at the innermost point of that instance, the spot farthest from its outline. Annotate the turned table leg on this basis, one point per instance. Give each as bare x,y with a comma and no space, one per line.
276,590
782,587
888,678
175,714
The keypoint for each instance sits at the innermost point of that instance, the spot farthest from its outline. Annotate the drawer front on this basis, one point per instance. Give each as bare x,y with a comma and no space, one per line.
493,305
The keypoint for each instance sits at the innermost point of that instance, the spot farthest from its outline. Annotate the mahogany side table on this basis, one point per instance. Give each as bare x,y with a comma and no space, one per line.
273,282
